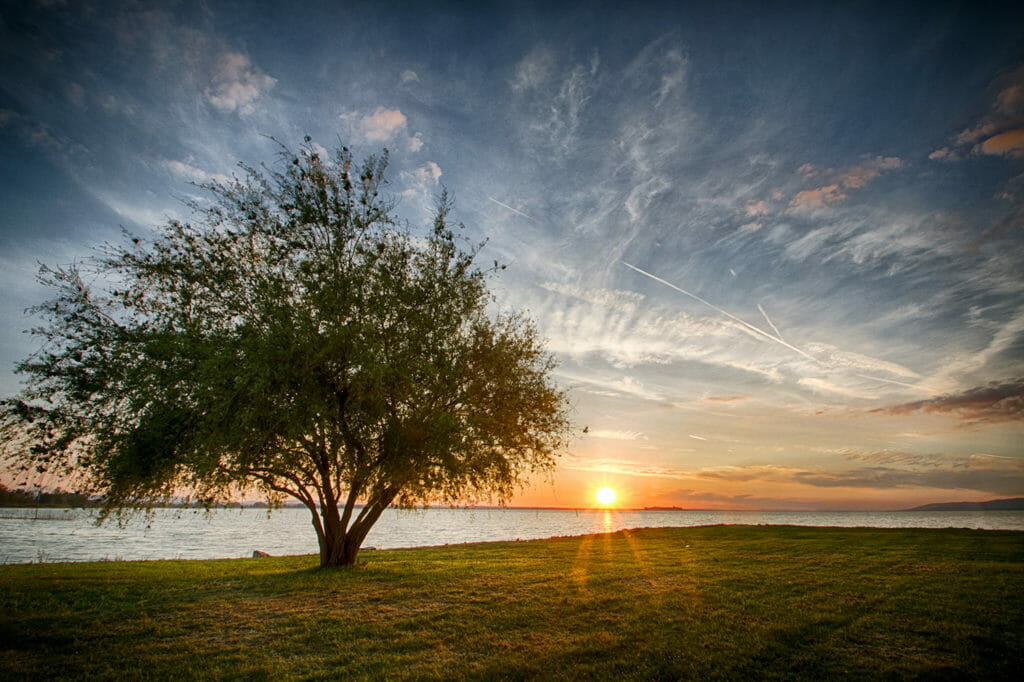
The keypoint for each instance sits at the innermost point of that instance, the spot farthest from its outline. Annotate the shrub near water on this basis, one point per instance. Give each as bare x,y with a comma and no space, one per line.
714,602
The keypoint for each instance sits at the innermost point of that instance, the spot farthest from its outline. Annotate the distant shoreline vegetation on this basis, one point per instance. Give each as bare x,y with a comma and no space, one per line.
58,498
45,498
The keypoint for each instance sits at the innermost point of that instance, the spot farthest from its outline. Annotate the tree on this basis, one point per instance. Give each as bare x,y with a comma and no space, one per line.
292,338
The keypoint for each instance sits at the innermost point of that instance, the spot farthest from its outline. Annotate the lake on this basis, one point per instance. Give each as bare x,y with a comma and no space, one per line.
50,535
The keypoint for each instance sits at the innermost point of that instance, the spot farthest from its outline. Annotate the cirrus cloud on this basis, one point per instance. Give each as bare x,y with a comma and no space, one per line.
995,402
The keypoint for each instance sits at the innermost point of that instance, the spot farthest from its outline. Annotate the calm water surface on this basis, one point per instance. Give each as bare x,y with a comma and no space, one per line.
31,535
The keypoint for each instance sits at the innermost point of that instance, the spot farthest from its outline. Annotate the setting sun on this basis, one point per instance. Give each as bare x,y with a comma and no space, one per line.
605,496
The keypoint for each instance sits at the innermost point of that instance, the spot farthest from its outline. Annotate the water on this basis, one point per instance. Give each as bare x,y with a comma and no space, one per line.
34,535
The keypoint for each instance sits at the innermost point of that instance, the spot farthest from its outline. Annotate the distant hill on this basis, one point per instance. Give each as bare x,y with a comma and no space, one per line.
1011,504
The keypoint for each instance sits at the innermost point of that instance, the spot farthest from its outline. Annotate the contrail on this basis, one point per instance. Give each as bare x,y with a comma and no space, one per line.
510,208
777,338
714,307
769,321
889,381
696,437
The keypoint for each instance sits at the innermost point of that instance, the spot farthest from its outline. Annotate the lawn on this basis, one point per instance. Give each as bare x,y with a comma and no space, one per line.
717,602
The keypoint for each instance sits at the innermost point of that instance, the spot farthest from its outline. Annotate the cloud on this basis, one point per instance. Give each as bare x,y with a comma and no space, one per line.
980,472
700,498
30,132
533,70
409,76
429,173
1010,143
859,176
612,324
818,384
192,173
975,473
1007,481
944,154
237,84
749,472
817,198
996,402
608,434
756,208
625,386
626,301
892,457
383,124
1000,132
555,101
839,359
853,177
423,179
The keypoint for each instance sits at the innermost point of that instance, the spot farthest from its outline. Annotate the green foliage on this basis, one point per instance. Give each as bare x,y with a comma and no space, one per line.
718,602
296,339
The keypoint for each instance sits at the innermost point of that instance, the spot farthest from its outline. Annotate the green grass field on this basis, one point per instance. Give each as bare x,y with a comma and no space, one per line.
720,602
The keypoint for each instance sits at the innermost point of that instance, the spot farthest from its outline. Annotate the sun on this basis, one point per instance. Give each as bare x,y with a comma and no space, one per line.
605,496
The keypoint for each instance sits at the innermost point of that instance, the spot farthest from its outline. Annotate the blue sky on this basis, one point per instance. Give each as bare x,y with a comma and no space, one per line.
778,252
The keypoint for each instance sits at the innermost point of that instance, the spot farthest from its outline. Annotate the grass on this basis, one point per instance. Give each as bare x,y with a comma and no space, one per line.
718,602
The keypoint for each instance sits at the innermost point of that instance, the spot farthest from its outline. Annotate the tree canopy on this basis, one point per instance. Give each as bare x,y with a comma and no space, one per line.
292,338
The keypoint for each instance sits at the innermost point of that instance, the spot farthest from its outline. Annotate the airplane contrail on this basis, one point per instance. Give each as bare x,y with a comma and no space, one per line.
889,381
714,307
510,208
777,338
769,321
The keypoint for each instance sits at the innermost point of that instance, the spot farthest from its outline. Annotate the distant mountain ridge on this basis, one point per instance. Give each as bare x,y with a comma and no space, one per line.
1009,504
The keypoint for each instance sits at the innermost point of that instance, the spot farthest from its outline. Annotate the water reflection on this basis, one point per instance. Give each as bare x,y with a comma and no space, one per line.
28,535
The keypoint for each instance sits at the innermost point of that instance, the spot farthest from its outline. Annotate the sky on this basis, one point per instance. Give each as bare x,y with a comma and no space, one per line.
778,252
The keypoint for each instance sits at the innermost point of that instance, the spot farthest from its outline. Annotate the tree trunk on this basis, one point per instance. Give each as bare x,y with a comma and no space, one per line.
340,545
337,547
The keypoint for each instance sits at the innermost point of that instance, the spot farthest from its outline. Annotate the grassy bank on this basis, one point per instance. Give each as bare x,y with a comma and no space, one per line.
716,602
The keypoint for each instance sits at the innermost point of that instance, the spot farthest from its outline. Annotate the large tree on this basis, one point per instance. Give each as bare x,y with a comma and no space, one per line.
292,338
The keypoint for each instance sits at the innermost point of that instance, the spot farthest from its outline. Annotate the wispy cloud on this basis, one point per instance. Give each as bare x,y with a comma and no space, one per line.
611,434
192,173
554,97
996,482
533,70
746,324
995,402
699,499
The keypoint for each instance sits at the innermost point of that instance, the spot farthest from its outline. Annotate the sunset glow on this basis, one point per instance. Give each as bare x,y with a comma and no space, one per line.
605,497
775,254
